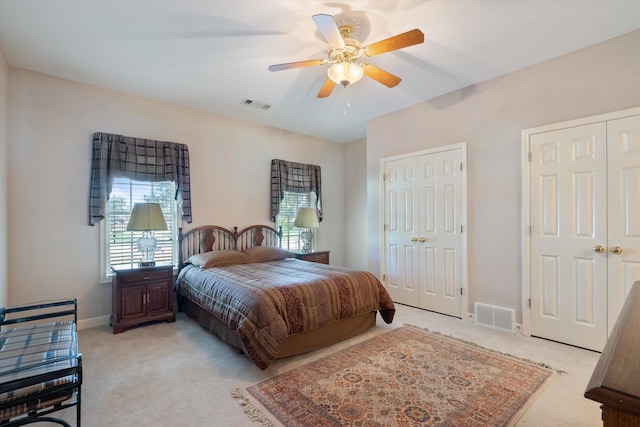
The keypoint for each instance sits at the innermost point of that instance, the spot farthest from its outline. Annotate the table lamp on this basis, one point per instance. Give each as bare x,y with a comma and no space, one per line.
147,217
307,218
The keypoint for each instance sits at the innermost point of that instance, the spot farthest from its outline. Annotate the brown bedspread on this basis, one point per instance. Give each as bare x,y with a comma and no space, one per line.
265,302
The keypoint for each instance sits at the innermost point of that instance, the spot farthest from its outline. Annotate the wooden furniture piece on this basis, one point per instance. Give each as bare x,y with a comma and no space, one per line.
141,295
242,302
40,366
321,256
616,378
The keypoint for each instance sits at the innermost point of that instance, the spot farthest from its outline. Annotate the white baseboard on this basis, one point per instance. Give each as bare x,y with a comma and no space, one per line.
93,322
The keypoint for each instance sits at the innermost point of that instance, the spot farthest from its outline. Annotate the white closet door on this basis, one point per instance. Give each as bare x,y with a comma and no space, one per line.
424,248
400,212
623,136
569,235
440,201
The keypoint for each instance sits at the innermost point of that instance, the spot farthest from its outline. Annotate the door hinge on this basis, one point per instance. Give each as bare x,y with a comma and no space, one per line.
461,292
461,229
461,168
529,302
529,157
384,277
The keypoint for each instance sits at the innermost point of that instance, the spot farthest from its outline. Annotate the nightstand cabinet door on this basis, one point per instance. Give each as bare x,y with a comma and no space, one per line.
133,298
158,298
141,295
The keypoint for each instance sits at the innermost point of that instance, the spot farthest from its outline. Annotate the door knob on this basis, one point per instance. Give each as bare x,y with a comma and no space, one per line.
598,248
414,239
423,239
616,250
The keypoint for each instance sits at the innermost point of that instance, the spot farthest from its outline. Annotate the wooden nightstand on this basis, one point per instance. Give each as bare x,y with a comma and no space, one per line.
141,295
322,256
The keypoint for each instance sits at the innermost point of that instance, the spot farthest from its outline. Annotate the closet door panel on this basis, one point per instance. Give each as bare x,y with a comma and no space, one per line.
623,136
441,184
568,219
400,211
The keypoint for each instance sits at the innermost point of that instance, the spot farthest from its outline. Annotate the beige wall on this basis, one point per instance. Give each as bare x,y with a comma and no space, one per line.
490,117
54,253
355,213
4,77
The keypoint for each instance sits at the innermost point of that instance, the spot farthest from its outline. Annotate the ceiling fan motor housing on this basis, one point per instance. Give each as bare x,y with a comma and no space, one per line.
345,70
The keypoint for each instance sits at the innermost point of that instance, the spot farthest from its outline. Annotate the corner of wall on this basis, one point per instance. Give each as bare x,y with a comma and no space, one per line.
4,136
355,204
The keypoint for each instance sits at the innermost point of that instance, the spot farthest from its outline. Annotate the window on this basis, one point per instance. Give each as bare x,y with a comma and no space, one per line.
293,186
289,206
119,245
139,160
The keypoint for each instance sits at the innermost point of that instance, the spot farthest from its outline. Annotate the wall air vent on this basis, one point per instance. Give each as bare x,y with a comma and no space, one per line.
255,104
495,317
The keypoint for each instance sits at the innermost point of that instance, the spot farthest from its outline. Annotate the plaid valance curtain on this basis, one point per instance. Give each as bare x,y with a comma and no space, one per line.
296,178
137,159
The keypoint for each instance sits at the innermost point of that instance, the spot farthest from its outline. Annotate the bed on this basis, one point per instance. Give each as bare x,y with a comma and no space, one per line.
257,297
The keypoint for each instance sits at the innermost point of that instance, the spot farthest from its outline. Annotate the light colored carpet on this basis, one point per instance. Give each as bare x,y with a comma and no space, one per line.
177,374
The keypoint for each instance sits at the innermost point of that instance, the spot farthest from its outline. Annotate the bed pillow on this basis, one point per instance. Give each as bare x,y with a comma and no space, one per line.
218,258
267,253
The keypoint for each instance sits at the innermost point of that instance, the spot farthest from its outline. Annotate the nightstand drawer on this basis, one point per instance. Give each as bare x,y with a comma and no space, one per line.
144,276
320,257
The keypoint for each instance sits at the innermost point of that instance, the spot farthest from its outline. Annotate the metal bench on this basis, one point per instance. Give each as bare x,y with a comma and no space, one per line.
40,366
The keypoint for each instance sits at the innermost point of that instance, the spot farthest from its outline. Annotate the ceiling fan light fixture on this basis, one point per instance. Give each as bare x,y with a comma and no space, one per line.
345,73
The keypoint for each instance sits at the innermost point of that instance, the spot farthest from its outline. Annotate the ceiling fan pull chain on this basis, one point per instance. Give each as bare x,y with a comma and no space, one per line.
347,103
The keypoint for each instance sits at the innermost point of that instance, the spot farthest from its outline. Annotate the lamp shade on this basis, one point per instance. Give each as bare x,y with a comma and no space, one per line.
307,218
146,217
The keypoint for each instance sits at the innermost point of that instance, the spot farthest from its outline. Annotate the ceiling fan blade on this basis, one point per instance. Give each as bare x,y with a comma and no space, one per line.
327,88
409,38
329,29
299,64
379,75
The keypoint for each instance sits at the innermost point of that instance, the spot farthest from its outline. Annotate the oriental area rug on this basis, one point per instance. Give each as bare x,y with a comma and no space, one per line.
405,377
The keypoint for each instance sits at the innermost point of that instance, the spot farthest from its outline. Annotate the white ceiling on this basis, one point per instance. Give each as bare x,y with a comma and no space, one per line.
213,54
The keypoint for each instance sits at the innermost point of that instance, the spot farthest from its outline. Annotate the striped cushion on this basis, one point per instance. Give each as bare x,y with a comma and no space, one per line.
34,350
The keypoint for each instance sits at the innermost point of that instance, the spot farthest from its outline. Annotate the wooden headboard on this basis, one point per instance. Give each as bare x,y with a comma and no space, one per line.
208,238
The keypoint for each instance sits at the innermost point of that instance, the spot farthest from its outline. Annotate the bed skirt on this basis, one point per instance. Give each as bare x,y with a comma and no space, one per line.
293,344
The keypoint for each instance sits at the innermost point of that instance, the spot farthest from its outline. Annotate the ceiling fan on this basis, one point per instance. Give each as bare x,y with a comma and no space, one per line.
344,51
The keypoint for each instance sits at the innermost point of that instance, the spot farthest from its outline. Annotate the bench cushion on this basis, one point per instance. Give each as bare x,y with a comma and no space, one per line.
33,350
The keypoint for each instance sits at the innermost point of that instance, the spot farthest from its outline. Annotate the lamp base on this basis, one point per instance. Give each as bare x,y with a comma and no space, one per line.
147,245
307,241
146,263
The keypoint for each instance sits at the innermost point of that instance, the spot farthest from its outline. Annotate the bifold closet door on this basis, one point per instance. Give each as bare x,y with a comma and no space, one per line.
569,235
423,245
400,230
623,256
440,243
585,229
